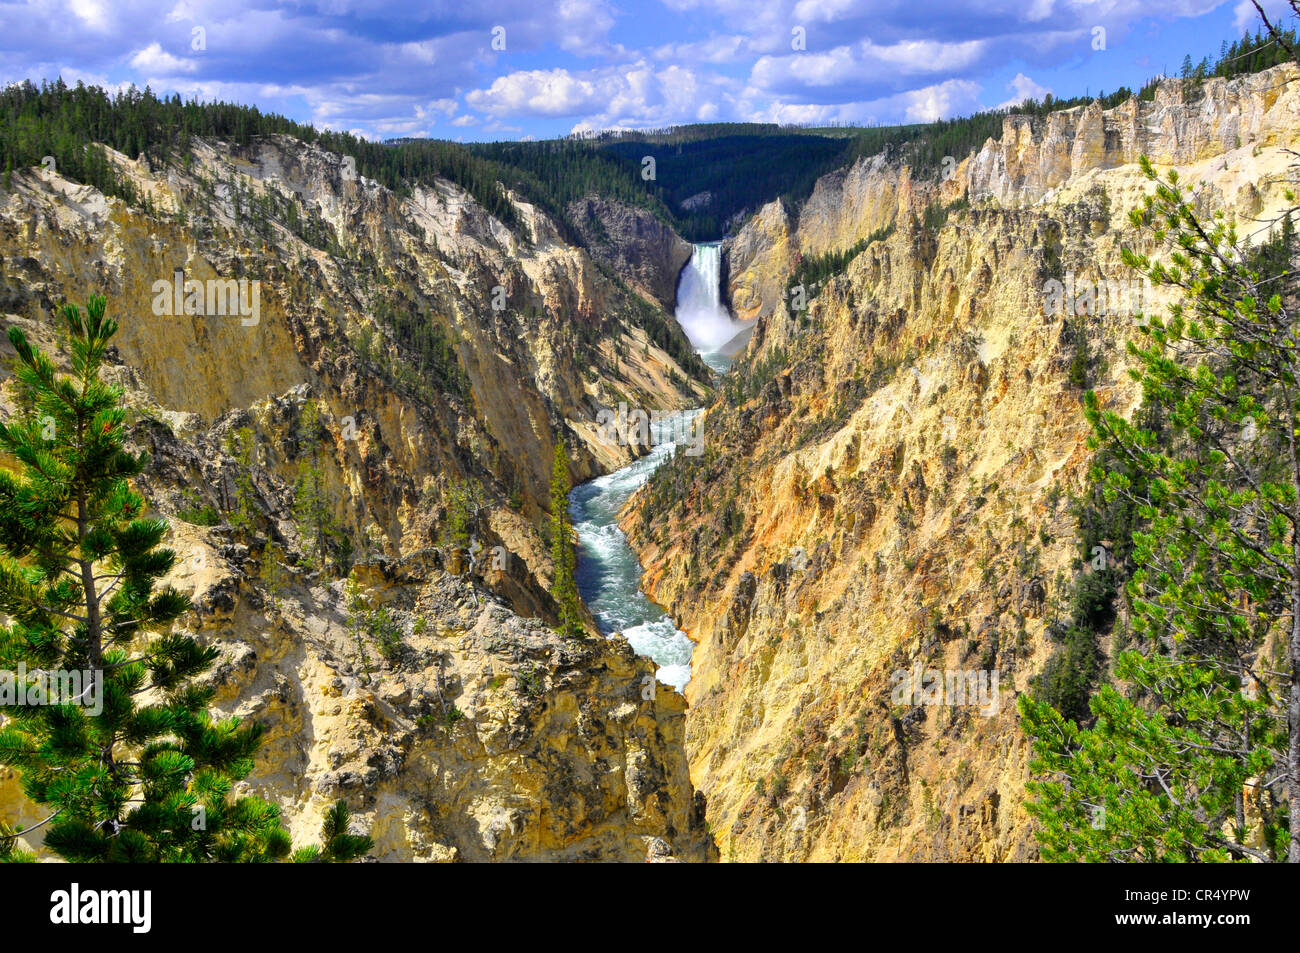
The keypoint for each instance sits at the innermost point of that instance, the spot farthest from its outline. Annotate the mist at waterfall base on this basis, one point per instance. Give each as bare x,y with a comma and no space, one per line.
609,574
700,311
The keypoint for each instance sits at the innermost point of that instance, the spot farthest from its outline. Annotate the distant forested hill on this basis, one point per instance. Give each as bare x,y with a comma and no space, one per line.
67,122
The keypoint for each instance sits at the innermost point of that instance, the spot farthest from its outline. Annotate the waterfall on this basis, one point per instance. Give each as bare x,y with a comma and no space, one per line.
700,311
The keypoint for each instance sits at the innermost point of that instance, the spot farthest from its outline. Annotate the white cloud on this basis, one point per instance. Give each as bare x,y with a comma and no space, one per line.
583,27
943,101
181,13
1024,88
1246,17
1039,10
416,69
93,13
154,61
867,66
554,92
926,56
938,101
634,96
715,50
824,10
798,114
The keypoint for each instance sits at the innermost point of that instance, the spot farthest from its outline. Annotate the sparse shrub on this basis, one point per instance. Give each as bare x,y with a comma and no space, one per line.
195,511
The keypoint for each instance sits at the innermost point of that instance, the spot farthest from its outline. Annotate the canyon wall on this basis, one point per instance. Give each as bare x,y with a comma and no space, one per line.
886,482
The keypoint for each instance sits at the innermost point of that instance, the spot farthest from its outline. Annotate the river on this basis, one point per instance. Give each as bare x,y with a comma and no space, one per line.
609,573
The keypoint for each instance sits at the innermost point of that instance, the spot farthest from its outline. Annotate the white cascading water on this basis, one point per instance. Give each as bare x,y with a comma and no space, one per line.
609,573
700,311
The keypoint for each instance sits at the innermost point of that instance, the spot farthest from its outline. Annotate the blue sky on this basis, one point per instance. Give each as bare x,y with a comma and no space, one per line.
433,69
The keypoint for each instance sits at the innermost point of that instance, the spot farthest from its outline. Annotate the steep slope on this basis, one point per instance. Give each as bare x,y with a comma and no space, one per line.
633,244
442,350
884,488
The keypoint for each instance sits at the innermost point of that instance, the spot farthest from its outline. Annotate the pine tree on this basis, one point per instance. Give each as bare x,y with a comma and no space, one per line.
1199,760
337,846
313,512
564,590
79,564
312,507
358,617
272,570
460,518
464,501
243,514
311,430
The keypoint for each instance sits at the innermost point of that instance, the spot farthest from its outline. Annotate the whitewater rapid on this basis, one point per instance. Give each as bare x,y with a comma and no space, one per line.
608,572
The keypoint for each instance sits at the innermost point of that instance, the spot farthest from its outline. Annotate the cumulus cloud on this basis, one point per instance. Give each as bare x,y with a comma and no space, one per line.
153,60
944,100
941,101
716,50
93,13
553,92
611,97
1024,88
864,70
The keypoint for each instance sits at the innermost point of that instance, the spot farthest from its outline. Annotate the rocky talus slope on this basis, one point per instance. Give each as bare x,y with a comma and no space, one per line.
442,350
886,481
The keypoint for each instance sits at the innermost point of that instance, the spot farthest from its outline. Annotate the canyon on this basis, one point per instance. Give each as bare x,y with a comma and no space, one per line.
883,487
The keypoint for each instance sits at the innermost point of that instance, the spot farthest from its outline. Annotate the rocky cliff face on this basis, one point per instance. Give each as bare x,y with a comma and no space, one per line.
1178,127
633,244
441,349
488,738
1034,157
884,488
